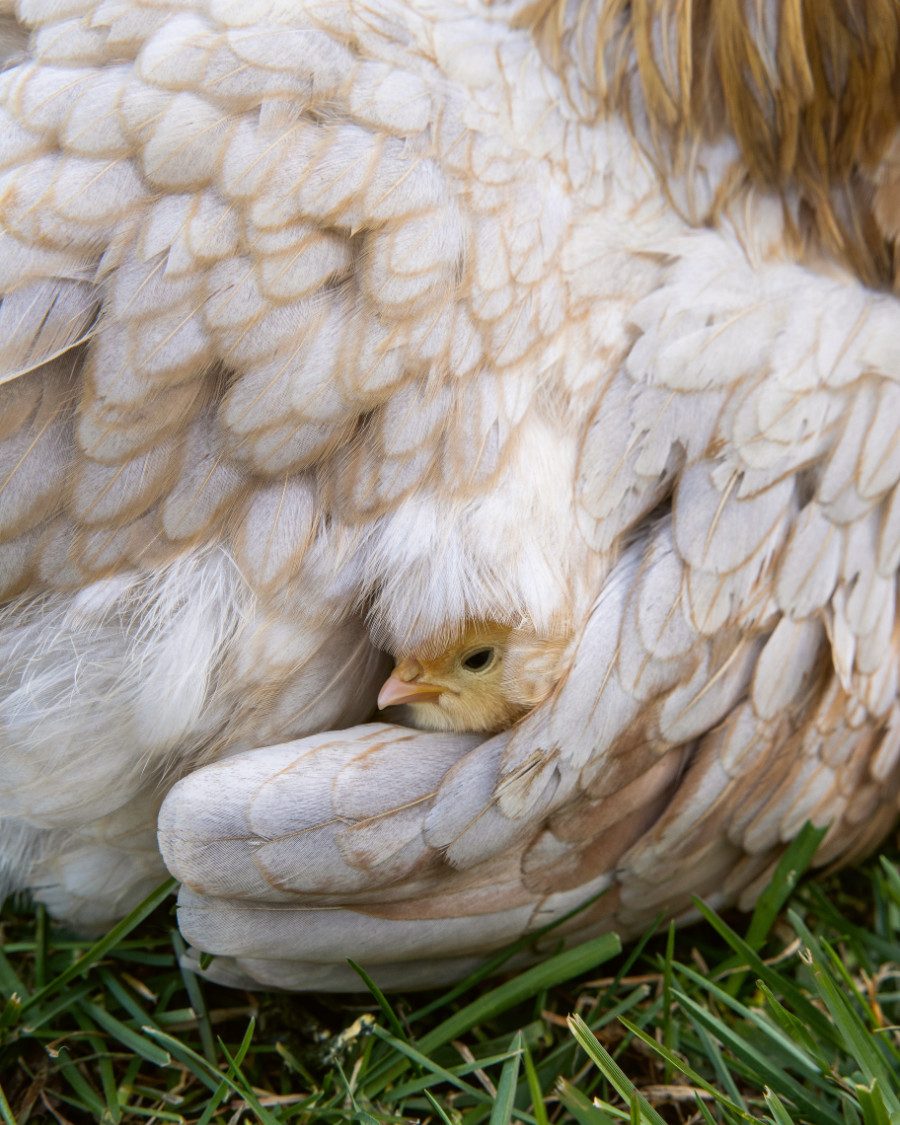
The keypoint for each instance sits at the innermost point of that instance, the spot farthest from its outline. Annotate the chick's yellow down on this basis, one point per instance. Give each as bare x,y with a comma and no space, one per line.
485,679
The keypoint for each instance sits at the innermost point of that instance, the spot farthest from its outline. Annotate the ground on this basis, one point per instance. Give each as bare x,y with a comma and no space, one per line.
789,1016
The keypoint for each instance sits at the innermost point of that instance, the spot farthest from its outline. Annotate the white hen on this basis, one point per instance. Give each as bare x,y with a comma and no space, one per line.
324,313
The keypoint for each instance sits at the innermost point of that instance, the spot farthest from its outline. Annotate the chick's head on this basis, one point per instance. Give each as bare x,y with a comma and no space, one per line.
485,679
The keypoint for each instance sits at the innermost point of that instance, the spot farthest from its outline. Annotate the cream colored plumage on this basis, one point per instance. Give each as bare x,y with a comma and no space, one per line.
334,325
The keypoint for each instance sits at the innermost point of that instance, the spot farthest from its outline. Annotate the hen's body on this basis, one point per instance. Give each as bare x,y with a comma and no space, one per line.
314,310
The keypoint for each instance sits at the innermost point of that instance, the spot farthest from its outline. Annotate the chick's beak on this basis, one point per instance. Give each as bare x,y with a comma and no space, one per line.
395,691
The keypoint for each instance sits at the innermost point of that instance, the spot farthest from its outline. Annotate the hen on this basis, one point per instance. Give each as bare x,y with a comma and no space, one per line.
330,327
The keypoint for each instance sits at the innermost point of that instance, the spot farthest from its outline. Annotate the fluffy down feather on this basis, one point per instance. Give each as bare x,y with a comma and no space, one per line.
334,326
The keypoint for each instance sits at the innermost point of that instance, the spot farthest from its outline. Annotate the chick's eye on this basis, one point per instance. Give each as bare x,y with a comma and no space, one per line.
478,660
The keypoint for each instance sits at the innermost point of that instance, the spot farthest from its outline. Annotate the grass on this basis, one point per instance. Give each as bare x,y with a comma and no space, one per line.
789,1016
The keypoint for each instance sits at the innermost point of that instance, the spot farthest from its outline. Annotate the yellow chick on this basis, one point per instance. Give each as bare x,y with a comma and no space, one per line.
483,680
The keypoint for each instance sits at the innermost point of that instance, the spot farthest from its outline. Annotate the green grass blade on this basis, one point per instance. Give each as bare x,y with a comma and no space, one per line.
109,941
51,1010
40,946
234,1073
10,983
872,1104
6,1113
610,1069
829,915
195,996
556,970
792,1027
493,964
435,1105
892,878
668,1022
203,1070
780,1115
103,1064
713,1052
782,1043
380,999
790,868
156,1113
538,1106
582,1108
768,1070
502,1112
422,1060
131,1040
424,1081
803,1007
858,1040
683,1067
83,1089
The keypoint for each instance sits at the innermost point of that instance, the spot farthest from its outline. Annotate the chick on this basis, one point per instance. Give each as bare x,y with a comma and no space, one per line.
485,679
